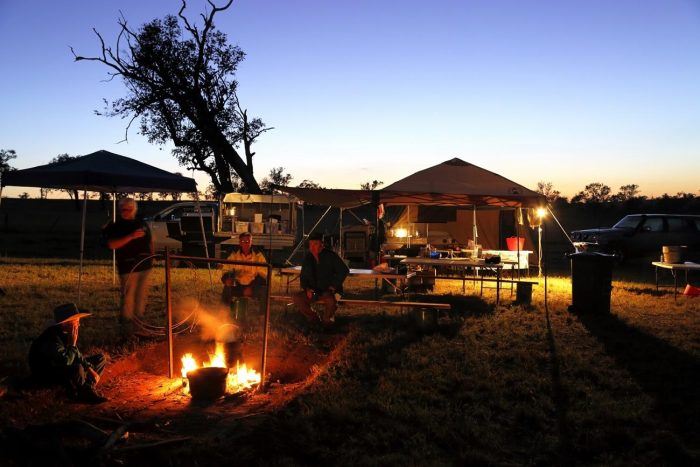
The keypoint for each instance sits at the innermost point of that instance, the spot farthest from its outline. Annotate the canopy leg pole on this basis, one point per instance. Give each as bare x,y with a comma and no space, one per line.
305,236
410,226
539,251
475,232
517,238
340,235
82,244
114,252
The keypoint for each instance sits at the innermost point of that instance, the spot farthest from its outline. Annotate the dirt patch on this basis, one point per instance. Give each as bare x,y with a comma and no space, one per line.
142,395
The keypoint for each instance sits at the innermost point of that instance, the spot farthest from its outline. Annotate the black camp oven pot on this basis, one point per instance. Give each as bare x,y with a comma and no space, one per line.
207,383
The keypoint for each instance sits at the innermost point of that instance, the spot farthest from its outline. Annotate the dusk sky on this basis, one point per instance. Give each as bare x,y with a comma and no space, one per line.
565,91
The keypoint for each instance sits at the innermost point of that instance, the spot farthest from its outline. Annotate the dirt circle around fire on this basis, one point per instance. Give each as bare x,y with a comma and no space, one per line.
139,388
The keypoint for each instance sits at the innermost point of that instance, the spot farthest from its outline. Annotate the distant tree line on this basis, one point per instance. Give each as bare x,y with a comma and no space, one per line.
599,195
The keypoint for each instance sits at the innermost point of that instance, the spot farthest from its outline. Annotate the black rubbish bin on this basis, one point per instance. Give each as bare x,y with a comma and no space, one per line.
591,282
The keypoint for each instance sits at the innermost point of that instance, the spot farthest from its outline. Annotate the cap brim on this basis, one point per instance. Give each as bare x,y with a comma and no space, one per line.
74,317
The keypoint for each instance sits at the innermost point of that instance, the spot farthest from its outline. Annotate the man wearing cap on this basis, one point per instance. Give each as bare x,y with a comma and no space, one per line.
322,275
131,239
242,280
54,357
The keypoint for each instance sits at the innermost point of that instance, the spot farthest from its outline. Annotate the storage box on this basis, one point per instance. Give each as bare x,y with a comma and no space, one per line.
256,227
241,226
258,217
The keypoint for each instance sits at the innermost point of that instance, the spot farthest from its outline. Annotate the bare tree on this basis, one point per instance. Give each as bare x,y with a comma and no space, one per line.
181,84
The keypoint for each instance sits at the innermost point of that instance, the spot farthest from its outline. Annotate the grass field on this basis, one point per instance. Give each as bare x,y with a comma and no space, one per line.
506,385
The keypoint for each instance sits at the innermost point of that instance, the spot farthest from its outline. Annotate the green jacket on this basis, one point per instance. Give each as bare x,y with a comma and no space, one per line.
50,354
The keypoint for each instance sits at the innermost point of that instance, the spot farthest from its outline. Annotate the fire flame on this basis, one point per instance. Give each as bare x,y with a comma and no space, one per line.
237,380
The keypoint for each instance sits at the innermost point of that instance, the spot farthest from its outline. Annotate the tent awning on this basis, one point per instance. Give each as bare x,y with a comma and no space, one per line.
101,171
452,183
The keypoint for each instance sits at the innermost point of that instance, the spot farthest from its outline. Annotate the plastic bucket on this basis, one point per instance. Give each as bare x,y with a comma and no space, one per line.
512,243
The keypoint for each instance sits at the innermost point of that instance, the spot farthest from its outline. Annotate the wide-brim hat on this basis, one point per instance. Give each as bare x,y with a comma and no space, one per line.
316,236
68,312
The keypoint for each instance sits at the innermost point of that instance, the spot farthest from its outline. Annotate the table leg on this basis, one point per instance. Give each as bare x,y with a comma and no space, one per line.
656,277
675,284
498,284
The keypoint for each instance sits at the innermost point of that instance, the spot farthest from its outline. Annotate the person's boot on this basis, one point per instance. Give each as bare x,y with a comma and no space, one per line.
308,313
328,317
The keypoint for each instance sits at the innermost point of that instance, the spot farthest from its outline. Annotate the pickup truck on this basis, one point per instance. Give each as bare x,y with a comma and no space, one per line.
640,234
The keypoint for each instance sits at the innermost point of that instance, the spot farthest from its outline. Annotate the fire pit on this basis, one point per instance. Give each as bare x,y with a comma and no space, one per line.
208,383
212,380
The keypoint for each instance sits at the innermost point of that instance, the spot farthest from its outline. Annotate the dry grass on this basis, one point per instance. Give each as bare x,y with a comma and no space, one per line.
506,385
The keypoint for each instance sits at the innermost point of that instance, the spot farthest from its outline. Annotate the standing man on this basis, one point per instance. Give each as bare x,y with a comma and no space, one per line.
130,238
54,357
322,275
243,280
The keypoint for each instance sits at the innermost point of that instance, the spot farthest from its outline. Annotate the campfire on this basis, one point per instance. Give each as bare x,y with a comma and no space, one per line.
237,379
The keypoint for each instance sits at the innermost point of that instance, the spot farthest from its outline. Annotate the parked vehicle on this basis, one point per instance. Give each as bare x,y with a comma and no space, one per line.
640,234
158,223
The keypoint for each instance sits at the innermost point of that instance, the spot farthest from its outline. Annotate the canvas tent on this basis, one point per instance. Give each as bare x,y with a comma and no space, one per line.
452,183
101,171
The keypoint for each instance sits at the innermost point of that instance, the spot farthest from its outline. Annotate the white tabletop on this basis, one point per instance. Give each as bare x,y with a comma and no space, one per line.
463,262
353,272
688,265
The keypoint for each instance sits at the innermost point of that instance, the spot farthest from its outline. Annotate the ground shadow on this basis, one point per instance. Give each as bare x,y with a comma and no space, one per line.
665,372
560,398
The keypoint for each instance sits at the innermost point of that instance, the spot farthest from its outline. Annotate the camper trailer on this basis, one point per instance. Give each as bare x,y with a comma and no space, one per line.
272,219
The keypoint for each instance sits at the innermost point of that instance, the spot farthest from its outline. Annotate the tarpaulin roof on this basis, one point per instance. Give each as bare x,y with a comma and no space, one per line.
101,171
451,183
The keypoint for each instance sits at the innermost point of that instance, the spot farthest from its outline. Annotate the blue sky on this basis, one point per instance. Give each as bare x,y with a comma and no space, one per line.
570,92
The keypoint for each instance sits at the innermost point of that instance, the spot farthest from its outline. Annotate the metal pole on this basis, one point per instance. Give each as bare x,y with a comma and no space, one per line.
518,220
263,363
82,244
539,250
114,252
169,309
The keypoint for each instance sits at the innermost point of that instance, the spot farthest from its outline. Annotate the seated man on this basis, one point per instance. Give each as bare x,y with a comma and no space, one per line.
242,280
322,275
54,357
